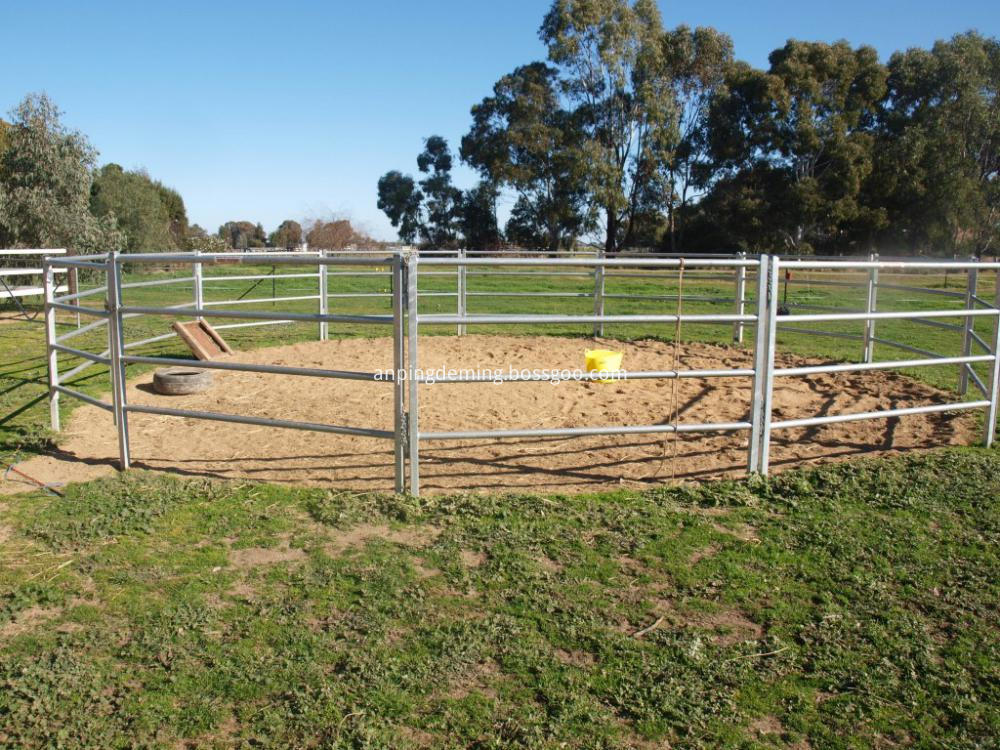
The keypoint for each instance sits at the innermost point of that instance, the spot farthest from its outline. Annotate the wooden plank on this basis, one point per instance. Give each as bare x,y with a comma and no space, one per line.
203,340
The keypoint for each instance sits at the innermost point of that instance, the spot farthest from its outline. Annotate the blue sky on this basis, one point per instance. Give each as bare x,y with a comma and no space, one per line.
271,110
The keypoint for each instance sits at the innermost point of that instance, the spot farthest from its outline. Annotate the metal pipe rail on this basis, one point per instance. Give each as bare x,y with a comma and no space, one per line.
209,364
759,311
587,377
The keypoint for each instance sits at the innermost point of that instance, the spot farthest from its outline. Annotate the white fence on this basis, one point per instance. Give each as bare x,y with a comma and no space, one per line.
764,314
19,270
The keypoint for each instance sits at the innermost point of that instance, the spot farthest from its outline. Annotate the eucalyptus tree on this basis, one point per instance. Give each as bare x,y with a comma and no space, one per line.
45,180
442,200
797,141
610,59
522,138
135,202
939,155
432,211
697,61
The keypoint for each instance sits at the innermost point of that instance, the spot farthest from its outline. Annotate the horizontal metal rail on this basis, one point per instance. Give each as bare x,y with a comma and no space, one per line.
435,319
33,251
242,259
922,290
262,277
582,431
908,348
250,301
6,272
79,309
888,264
312,372
75,263
893,315
158,282
81,330
261,421
259,315
83,397
594,262
584,377
885,414
81,295
887,365
99,358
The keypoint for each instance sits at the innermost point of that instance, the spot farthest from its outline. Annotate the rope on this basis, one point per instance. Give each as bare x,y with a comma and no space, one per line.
30,318
674,385
12,469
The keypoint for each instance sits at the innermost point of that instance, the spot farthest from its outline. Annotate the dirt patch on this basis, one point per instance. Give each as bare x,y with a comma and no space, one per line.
478,678
743,531
727,626
471,558
548,564
357,536
700,554
252,557
191,447
28,619
582,659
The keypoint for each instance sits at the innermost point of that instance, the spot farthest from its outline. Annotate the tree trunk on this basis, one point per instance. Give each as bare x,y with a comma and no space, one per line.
610,244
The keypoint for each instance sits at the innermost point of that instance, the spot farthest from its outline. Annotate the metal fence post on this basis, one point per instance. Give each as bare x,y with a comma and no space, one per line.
741,290
398,383
599,297
117,366
413,403
759,360
991,411
324,296
871,305
199,286
461,290
971,283
49,278
772,336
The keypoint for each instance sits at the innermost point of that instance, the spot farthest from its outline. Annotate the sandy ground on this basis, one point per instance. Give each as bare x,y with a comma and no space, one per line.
201,448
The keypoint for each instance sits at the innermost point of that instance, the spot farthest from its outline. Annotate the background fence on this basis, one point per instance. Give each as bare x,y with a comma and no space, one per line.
760,305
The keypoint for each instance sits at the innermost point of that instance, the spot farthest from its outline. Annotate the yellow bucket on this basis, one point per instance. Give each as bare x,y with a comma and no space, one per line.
603,360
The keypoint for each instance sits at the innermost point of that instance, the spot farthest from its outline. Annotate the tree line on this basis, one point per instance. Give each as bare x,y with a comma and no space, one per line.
651,137
53,194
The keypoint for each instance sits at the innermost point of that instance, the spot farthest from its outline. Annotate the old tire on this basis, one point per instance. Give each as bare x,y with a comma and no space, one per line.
180,381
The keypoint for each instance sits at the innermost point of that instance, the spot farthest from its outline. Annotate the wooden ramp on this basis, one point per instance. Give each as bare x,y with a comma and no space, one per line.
203,340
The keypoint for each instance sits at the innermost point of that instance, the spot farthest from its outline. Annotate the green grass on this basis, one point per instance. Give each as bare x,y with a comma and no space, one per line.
846,607
850,606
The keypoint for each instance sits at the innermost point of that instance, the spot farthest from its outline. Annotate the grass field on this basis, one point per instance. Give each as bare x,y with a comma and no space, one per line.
849,606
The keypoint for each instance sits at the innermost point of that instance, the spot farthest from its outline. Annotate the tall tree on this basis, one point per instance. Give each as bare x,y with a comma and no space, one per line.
176,213
45,181
442,200
333,235
697,62
610,58
939,147
479,217
522,137
243,234
434,210
288,235
400,199
135,201
802,136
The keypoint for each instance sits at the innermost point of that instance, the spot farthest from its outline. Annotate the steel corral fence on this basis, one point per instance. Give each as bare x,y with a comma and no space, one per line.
763,313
